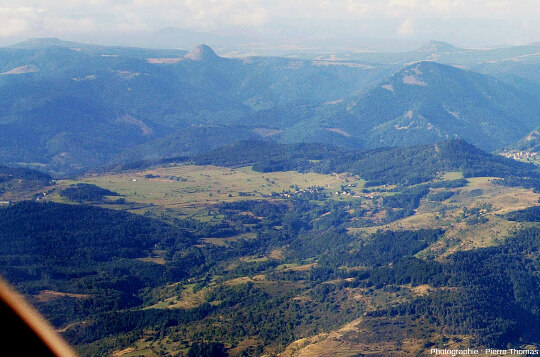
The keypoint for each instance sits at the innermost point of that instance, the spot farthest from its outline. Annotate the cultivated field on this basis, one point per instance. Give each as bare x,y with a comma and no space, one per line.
189,188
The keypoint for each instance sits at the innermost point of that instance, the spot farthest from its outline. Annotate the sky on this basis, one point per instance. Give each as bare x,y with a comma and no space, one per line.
468,23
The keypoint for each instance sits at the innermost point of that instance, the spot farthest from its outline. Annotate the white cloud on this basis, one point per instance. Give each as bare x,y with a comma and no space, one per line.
56,17
218,13
18,20
13,27
445,5
357,7
251,18
403,3
499,4
407,28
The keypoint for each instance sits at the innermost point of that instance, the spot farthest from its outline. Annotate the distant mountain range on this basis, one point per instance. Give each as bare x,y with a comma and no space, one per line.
424,102
67,106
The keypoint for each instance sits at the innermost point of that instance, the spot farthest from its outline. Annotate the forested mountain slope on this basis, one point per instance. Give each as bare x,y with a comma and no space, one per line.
422,103
69,107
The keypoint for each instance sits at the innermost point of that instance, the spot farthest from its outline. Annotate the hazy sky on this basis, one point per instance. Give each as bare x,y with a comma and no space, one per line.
463,22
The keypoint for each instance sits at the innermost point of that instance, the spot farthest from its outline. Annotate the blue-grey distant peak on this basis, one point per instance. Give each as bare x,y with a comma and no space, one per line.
202,53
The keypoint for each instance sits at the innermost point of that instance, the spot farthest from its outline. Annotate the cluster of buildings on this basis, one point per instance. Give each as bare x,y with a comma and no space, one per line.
520,155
